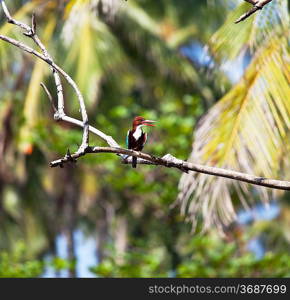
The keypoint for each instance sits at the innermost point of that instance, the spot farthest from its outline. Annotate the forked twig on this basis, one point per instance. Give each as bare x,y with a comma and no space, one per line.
257,5
30,31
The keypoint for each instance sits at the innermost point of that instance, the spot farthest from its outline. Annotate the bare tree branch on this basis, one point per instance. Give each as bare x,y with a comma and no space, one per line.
257,5
170,161
59,113
31,32
143,158
108,139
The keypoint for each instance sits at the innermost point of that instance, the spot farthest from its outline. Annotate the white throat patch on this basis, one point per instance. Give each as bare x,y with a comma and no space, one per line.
138,132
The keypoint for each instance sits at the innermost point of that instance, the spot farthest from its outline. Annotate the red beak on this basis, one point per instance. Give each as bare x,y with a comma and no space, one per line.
148,123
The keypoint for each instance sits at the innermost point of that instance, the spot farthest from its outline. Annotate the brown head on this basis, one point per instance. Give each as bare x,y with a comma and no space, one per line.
142,121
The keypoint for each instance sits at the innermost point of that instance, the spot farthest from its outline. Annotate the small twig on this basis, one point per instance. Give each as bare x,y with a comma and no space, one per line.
49,96
69,157
33,24
257,5
247,14
170,161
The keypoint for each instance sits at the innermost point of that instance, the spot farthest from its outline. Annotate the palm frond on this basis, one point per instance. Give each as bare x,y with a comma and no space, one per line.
246,131
92,51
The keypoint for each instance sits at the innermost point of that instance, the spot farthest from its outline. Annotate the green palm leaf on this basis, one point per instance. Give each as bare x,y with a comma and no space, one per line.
247,130
92,50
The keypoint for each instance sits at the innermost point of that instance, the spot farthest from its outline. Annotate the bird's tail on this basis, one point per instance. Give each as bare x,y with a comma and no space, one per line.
134,162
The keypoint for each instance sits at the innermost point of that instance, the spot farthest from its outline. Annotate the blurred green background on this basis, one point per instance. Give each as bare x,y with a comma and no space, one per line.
220,93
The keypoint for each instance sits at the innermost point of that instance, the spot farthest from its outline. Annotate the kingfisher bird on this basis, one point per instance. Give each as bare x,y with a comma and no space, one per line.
136,138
